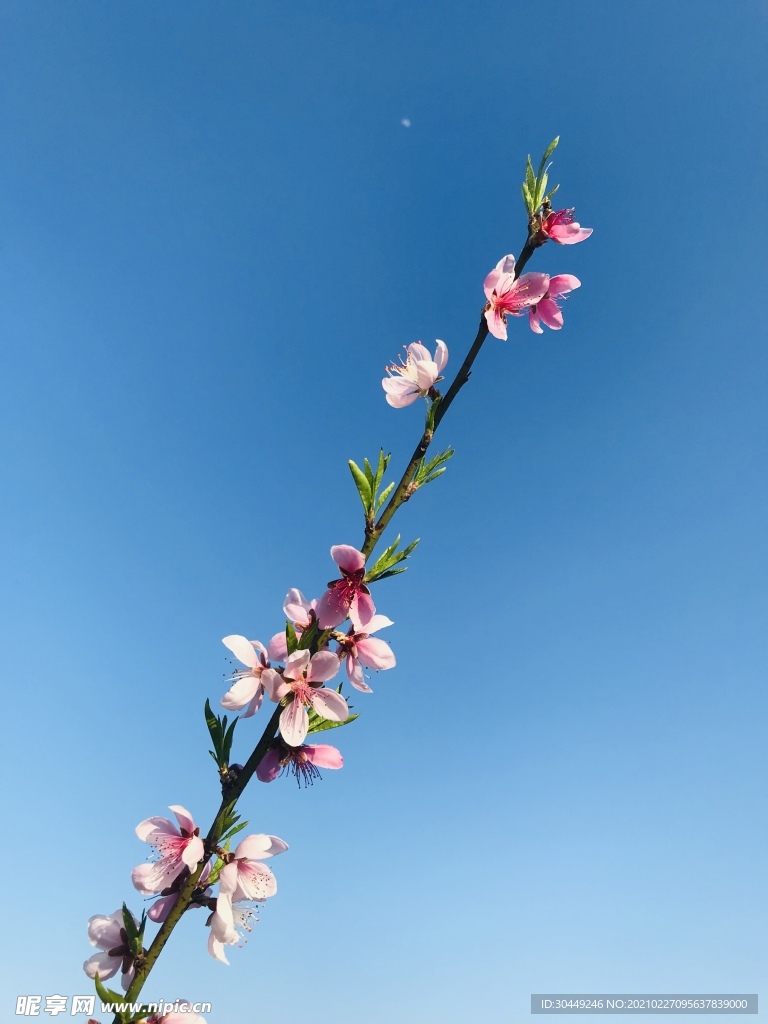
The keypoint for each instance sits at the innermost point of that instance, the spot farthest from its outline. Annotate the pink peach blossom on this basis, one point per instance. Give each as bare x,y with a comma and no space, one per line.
247,691
506,294
414,377
300,680
360,648
179,848
162,906
348,595
244,877
303,761
227,922
560,226
109,935
546,310
301,613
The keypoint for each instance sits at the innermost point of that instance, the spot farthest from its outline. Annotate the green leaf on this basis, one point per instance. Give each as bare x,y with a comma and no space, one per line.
307,638
391,572
226,746
318,724
527,198
547,154
233,831
291,641
381,468
530,180
551,192
107,995
541,188
362,483
214,728
368,472
384,495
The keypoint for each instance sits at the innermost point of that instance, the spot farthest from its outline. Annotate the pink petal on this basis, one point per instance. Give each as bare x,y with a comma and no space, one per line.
331,610
328,704
396,403
216,949
193,853
323,666
269,766
161,908
277,649
102,964
296,606
529,289
260,847
323,755
496,324
228,879
242,693
151,826
355,675
400,387
441,356
296,664
183,817
533,320
550,313
562,283
426,374
489,284
104,932
362,608
374,653
418,353
294,723
347,558
242,650
143,878
272,682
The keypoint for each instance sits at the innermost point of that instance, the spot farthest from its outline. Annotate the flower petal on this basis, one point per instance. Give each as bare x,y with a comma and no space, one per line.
260,847
294,723
183,817
323,755
323,666
375,653
269,768
193,852
328,704
242,649
347,558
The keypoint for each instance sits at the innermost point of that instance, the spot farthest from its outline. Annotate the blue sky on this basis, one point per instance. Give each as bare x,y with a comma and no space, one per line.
216,231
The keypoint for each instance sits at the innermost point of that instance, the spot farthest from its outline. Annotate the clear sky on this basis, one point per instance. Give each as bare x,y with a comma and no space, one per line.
216,230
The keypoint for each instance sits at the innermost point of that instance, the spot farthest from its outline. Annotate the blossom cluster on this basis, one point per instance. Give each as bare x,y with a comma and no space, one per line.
298,684
293,669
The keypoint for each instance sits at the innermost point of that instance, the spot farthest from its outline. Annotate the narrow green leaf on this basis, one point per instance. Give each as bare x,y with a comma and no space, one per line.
368,472
541,188
107,995
530,179
391,572
226,746
547,154
233,831
362,482
527,198
551,192
384,495
214,728
290,637
322,724
307,637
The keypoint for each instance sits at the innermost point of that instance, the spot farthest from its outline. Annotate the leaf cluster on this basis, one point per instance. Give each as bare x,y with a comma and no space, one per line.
535,185
221,736
383,567
367,480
